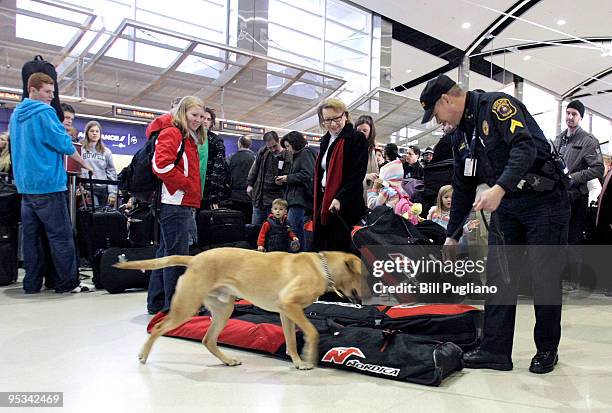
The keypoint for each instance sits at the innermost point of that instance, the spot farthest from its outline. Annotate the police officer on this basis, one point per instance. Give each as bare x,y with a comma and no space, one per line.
502,145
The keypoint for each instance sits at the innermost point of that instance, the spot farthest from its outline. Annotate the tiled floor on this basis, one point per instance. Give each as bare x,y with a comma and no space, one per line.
85,345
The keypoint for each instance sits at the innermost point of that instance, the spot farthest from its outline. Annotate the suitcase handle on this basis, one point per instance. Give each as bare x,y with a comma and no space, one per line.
91,188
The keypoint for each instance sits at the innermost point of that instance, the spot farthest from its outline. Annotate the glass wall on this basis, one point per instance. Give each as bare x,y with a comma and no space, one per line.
325,34
543,106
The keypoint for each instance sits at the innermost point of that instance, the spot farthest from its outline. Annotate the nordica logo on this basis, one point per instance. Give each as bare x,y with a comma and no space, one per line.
339,355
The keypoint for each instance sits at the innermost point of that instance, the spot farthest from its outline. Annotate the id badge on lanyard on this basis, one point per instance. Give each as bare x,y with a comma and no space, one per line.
471,163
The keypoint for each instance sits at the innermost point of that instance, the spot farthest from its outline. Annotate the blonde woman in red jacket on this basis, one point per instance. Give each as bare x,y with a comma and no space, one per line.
181,191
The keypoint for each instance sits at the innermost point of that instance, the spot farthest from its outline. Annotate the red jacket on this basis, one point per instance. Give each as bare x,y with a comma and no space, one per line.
181,183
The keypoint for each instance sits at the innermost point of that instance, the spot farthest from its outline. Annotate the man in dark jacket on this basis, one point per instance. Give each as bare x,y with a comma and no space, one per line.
270,162
582,156
240,164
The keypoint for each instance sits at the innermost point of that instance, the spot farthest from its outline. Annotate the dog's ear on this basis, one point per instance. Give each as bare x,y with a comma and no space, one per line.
353,264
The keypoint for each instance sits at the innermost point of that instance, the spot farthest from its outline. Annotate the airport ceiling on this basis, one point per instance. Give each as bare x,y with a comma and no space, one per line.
96,73
563,46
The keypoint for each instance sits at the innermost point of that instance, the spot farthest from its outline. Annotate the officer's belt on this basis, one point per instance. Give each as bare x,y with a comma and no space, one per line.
536,182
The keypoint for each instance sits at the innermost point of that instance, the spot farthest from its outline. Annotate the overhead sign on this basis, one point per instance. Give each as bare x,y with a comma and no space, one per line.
7,96
120,138
242,127
134,114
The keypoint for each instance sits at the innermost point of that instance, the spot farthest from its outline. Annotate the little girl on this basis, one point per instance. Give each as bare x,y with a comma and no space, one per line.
387,190
440,213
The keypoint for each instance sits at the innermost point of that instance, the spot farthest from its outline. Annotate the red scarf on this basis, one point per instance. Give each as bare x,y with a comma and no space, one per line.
332,185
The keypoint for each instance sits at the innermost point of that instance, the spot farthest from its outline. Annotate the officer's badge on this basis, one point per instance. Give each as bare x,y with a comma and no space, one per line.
485,127
503,109
462,146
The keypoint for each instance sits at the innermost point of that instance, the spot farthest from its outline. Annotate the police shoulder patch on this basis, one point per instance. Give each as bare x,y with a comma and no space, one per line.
503,109
485,127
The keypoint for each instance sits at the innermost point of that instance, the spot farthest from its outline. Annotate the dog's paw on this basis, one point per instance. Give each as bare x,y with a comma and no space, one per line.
302,365
233,362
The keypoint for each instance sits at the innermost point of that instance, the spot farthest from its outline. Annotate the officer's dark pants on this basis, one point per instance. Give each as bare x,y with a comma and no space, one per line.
534,219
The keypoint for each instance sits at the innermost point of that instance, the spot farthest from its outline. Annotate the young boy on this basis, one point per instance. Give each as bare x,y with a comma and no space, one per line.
275,233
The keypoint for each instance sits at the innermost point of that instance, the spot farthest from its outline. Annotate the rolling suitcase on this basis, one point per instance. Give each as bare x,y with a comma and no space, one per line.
8,254
117,281
101,230
220,226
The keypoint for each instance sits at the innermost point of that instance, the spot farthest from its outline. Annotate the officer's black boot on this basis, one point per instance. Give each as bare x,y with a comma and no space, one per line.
481,359
544,362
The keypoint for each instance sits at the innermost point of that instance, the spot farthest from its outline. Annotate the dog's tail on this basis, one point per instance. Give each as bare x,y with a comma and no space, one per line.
157,263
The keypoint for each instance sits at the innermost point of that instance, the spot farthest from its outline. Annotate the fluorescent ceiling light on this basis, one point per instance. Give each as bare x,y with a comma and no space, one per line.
408,70
466,25
527,57
561,22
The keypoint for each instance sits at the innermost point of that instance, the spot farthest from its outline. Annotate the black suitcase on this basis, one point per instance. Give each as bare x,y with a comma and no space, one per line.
8,254
141,226
101,230
10,203
220,226
117,281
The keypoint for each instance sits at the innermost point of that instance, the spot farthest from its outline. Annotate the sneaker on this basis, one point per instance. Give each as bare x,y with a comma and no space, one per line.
82,289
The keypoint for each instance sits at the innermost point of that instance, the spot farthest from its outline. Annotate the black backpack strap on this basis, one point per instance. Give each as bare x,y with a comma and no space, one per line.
39,57
181,151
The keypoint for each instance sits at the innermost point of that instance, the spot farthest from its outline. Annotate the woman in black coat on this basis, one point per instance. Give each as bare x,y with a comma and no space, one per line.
217,185
339,172
299,188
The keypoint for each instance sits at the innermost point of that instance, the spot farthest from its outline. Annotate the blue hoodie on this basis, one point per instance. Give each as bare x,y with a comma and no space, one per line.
38,144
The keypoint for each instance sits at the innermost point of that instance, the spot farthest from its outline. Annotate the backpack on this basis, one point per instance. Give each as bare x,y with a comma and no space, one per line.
138,178
39,64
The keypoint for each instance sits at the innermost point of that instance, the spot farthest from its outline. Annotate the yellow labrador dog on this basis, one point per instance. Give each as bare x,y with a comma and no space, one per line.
275,281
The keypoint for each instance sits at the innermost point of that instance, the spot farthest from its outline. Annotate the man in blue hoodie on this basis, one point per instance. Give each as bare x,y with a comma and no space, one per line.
38,143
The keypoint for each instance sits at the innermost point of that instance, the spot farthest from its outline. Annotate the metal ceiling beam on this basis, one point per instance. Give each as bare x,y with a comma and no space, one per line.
170,69
540,45
72,43
592,79
500,24
279,92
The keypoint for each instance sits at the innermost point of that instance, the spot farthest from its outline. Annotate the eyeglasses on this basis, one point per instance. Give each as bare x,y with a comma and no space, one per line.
335,120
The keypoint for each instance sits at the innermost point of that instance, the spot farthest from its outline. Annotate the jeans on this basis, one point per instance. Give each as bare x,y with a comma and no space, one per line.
260,214
48,214
296,222
175,222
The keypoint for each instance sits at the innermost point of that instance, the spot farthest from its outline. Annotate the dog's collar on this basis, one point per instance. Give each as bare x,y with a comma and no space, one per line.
330,284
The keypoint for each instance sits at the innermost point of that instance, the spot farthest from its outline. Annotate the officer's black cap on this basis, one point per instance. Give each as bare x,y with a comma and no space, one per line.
432,92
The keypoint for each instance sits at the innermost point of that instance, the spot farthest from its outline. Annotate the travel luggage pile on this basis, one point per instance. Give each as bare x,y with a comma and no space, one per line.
420,344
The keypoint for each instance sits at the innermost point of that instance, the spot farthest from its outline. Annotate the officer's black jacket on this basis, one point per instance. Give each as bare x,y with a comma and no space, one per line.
508,144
